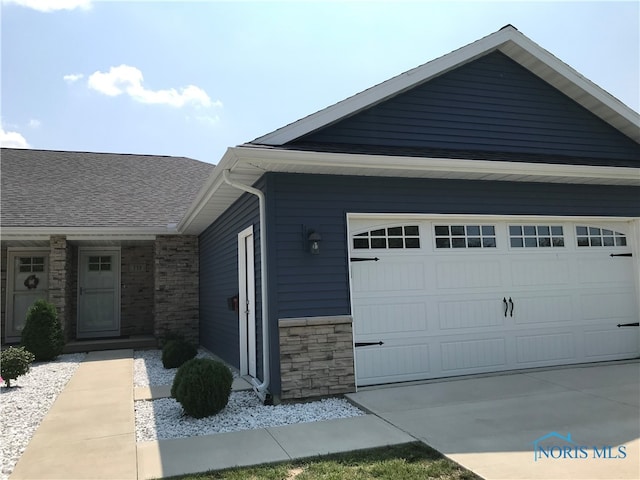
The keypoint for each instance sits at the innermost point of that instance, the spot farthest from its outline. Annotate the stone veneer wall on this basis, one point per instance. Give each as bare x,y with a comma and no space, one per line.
61,281
316,356
3,292
176,286
72,294
136,283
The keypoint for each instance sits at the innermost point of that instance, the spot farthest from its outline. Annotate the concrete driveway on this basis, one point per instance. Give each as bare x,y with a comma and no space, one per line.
564,423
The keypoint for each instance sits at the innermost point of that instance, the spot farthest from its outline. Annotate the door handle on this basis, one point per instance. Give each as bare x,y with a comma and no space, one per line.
506,306
510,303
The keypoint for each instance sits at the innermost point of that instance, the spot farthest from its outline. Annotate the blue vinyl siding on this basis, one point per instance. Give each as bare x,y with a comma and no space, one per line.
491,104
219,330
309,285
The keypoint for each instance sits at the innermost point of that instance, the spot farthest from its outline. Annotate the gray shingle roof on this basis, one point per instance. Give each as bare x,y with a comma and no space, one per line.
43,188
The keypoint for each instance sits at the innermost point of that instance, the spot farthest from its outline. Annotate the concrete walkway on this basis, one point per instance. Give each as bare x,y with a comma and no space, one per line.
89,433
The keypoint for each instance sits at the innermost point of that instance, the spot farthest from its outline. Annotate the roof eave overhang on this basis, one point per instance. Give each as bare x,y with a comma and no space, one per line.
508,41
85,233
248,164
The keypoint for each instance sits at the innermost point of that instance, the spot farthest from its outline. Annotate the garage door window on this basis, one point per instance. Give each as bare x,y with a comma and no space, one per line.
599,237
465,236
405,236
536,236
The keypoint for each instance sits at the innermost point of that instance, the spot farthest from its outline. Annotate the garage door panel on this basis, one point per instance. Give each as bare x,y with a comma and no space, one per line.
468,274
400,317
467,314
608,306
609,343
543,308
540,271
380,364
388,276
469,354
601,268
548,348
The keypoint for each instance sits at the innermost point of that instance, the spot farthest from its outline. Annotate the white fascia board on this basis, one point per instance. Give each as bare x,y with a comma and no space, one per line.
208,189
573,76
369,163
500,40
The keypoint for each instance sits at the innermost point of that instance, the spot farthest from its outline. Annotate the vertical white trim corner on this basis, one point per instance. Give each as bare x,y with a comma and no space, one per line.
634,237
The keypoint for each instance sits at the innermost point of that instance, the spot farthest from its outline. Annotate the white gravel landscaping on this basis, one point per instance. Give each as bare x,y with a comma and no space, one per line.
164,418
24,405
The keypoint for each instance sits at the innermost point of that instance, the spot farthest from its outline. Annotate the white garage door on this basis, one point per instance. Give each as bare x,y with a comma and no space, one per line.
452,297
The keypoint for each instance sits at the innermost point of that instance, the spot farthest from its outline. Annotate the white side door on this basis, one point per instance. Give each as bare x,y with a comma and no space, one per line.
247,302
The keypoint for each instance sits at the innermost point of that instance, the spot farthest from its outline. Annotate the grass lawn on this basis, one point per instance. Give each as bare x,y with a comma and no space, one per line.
401,462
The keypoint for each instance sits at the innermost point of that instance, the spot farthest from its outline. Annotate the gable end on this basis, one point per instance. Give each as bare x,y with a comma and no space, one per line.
492,104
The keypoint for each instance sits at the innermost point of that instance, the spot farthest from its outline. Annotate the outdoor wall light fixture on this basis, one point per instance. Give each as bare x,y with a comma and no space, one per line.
314,239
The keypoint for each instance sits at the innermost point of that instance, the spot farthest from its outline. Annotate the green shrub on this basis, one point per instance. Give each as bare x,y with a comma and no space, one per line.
42,334
202,386
168,336
14,362
177,352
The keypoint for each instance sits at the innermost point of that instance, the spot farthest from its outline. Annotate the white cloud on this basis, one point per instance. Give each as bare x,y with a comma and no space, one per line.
208,120
34,123
51,5
12,139
73,77
127,79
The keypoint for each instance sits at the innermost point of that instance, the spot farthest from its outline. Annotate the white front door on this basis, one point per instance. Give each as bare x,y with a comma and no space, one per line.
28,278
98,293
464,296
247,302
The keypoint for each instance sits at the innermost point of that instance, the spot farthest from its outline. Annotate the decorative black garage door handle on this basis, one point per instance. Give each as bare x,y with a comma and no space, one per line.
360,259
637,324
366,344
621,255
511,303
506,306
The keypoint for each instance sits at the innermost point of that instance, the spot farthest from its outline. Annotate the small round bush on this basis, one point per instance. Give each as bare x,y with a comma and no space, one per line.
14,362
42,334
168,336
202,386
176,352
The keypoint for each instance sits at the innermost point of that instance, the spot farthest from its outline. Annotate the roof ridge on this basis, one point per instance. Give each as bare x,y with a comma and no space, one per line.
101,153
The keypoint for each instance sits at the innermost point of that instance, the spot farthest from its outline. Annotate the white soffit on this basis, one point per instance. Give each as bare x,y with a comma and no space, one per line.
507,40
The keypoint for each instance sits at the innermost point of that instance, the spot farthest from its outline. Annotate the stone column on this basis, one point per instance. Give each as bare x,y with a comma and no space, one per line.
60,279
176,284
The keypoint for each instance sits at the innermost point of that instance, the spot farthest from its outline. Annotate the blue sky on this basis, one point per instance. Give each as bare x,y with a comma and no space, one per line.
192,78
